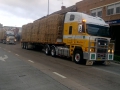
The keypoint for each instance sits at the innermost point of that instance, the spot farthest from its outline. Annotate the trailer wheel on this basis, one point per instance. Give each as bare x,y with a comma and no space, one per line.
47,51
22,45
78,57
27,46
53,52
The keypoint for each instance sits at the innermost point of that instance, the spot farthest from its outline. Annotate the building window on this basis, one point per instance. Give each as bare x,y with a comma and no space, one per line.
72,17
93,14
110,11
97,12
113,9
117,9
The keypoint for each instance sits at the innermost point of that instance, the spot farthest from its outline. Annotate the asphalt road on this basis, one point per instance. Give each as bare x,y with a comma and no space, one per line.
15,74
67,73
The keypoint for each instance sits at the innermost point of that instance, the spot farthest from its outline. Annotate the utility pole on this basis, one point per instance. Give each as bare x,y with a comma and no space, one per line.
48,7
62,2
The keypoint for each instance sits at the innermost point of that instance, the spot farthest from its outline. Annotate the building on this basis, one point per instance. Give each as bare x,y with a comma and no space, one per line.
64,10
109,10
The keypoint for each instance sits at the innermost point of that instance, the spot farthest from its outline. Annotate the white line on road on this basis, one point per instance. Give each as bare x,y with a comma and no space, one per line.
59,75
4,49
9,51
16,54
31,61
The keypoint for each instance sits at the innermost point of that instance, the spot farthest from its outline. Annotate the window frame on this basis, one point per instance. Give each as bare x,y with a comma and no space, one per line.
115,6
96,11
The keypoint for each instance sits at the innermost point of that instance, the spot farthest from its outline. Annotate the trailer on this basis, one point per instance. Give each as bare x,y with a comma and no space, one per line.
82,37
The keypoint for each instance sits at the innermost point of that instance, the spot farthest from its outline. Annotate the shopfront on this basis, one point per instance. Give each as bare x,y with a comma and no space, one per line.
115,33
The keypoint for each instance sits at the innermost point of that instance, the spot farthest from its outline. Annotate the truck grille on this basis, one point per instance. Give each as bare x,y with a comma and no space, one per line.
102,48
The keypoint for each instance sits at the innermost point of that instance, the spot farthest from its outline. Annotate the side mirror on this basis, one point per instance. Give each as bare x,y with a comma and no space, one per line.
80,28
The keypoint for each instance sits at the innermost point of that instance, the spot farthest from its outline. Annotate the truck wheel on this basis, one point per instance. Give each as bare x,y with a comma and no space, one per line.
53,52
78,57
47,51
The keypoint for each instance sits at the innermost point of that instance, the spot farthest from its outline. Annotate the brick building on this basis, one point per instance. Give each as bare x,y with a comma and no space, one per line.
64,10
109,10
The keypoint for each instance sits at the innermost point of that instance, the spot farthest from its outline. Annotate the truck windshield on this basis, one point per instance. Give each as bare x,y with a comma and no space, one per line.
96,30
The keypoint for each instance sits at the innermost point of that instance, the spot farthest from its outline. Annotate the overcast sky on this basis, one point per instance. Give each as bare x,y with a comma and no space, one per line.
19,12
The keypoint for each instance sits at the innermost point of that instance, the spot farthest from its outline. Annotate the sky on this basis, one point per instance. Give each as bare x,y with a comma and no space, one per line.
20,12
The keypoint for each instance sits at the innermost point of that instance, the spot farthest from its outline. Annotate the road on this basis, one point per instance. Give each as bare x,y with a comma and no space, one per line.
67,73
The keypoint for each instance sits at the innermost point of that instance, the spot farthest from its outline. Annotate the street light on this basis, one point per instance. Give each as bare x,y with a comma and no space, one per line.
48,7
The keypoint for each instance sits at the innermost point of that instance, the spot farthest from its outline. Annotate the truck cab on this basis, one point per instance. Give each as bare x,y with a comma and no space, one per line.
87,38
10,37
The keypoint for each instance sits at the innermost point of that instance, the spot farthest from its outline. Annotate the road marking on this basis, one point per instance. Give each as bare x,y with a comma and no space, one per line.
16,54
31,61
59,75
4,49
3,58
9,51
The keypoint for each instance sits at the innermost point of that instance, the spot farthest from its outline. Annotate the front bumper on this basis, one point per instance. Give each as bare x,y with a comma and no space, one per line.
98,56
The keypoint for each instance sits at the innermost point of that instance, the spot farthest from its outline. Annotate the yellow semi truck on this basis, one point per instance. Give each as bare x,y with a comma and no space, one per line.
83,37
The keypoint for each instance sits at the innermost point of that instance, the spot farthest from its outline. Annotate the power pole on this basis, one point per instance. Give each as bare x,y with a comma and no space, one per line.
48,7
62,2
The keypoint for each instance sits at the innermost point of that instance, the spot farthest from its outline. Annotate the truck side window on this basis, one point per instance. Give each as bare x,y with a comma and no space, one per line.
72,17
70,30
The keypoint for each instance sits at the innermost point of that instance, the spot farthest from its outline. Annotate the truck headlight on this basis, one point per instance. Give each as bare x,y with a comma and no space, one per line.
91,50
15,40
108,51
111,51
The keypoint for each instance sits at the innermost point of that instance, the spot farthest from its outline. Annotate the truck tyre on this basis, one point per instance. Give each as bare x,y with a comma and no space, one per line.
46,50
53,52
78,57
